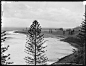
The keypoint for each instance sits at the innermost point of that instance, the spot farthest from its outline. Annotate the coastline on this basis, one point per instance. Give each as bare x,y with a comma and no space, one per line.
72,58
61,39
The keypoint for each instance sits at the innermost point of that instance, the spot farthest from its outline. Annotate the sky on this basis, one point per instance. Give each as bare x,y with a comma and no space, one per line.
49,14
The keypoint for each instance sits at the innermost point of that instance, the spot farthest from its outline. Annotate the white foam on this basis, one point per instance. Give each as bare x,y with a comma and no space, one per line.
12,32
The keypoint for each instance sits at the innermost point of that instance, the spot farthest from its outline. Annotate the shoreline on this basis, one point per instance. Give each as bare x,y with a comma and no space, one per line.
57,37
70,57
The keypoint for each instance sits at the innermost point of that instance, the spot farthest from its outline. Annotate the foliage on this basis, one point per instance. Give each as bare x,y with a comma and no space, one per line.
4,57
82,34
61,29
34,47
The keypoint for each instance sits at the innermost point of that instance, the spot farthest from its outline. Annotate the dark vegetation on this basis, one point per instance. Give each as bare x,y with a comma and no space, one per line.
4,57
34,47
75,40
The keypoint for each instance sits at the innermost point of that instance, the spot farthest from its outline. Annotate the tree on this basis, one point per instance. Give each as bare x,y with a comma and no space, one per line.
4,57
34,47
61,29
50,31
72,31
69,31
82,34
63,32
82,37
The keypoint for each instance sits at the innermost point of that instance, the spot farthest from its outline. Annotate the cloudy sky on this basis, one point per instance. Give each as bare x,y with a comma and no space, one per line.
49,14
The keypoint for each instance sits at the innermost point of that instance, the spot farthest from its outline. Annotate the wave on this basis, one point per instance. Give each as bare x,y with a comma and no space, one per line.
11,32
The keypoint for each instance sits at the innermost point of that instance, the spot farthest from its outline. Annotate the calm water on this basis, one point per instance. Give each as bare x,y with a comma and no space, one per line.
56,49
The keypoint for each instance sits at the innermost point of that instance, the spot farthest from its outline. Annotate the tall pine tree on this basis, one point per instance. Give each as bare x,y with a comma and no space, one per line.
4,57
34,45
82,34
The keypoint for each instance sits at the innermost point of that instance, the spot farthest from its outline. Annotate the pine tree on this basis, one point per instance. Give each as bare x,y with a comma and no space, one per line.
34,47
4,58
82,37
82,34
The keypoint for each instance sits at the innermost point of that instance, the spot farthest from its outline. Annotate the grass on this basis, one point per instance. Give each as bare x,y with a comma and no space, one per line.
74,41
